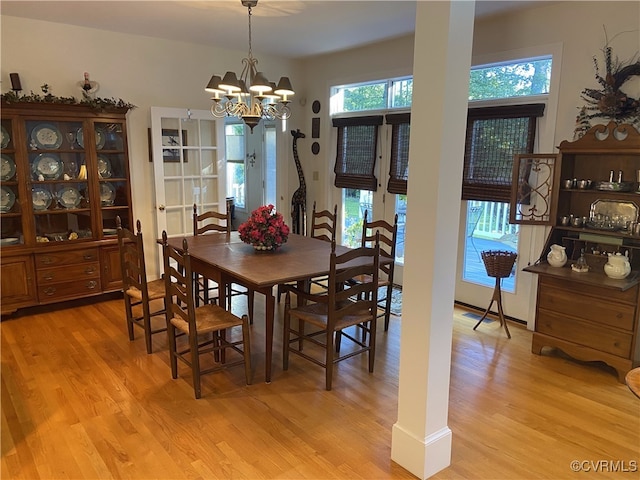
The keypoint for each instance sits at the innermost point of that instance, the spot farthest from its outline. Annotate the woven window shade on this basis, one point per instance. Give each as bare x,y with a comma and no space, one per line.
399,168
357,152
494,136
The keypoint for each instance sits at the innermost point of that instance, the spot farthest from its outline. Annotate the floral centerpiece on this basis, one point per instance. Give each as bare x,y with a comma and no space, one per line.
265,229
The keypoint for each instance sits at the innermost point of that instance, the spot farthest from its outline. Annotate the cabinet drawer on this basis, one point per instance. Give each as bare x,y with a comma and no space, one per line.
75,289
66,258
629,296
582,333
597,310
79,272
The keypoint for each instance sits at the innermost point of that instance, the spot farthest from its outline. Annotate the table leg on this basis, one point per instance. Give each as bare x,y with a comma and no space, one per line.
270,304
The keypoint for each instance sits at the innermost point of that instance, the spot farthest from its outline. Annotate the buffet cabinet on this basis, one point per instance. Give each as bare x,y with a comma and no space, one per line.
64,178
582,311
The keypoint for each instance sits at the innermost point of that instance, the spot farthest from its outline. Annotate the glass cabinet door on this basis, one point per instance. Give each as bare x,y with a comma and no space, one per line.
58,180
10,211
112,170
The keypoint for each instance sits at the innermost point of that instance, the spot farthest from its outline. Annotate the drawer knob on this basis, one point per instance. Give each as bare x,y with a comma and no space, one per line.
89,270
49,291
88,256
92,285
47,260
49,276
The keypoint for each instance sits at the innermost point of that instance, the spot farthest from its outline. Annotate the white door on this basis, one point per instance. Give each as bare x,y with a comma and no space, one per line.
189,166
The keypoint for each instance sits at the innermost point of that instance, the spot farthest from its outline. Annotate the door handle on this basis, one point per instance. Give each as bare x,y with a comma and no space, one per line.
161,208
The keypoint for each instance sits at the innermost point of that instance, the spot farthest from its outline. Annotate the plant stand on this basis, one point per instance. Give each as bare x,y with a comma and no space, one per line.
498,264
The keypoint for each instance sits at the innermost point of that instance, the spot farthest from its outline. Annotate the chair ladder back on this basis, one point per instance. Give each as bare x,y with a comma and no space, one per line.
323,224
179,287
362,295
388,240
132,262
211,221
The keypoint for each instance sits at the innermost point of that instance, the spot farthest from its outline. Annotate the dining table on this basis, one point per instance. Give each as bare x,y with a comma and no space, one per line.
225,259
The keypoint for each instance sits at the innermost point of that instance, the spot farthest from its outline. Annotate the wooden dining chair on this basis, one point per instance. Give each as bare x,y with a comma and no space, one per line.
388,236
323,227
208,222
195,331
343,306
206,290
143,299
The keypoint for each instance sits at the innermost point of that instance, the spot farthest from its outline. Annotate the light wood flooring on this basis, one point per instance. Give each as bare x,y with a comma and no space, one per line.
81,401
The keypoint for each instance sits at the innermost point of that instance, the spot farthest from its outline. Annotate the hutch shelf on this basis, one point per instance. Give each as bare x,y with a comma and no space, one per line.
588,315
64,179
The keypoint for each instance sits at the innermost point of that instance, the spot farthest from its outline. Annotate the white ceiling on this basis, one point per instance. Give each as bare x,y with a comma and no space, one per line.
288,28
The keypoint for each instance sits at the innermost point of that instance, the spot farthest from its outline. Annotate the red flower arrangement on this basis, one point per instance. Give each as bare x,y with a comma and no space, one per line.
265,229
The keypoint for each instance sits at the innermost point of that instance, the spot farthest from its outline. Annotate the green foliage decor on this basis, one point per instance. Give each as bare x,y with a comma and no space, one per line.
96,103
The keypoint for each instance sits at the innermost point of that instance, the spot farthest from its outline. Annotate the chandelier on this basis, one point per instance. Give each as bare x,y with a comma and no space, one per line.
251,97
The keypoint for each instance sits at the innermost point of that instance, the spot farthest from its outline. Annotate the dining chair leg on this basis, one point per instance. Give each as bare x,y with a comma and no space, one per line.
173,359
372,343
195,365
147,326
329,359
387,307
286,333
128,307
246,346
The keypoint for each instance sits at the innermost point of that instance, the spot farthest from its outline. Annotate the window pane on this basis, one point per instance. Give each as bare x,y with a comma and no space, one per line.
354,203
529,77
235,153
234,136
235,183
356,98
401,210
488,228
401,93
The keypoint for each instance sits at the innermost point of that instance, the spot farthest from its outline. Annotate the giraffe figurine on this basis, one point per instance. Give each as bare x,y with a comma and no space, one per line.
299,198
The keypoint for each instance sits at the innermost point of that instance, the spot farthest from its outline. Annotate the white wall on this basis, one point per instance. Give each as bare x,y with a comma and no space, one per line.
143,71
579,27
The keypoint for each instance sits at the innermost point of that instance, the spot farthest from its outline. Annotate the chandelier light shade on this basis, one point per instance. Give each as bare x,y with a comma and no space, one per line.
252,96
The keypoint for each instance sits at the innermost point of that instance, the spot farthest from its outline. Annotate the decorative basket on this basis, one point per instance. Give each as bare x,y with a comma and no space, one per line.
498,263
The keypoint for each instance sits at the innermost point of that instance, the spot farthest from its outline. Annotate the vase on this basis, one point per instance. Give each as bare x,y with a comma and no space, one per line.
557,257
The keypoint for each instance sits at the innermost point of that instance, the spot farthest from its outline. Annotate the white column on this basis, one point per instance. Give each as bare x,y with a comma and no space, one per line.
421,439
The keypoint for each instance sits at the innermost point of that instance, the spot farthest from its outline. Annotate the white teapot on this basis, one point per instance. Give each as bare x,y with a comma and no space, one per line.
557,257
617,266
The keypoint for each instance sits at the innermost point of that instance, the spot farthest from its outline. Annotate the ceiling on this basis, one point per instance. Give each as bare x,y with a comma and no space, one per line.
288,28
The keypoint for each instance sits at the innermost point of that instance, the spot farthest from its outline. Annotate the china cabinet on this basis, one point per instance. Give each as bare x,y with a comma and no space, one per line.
579,310
64,179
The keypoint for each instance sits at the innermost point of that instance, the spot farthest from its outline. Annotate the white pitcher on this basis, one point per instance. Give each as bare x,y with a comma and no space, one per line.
557,257
618,266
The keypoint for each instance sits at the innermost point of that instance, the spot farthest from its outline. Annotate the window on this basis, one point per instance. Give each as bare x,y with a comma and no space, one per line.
495,133
494,136
519,78
356,153
395,93
235,151
399,167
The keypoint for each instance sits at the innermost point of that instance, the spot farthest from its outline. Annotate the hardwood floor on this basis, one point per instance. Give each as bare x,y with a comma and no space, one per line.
81,401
